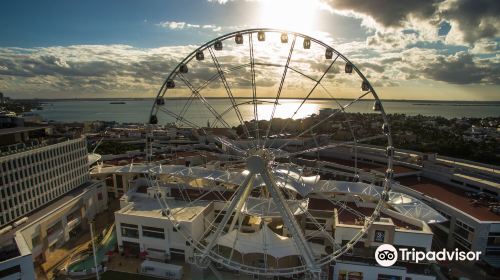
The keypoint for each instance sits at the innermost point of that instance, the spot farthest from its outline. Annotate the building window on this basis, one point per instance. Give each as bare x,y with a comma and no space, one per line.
129,230
379,236
350,275
388,277
9,271
153,232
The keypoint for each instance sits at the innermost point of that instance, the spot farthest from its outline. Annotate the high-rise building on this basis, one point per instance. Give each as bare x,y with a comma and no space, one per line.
47,196
37,171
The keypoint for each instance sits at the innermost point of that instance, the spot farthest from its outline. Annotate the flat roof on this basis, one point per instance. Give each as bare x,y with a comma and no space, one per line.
450,195
8,237
10,130
479,180
469,165
149,207
346,217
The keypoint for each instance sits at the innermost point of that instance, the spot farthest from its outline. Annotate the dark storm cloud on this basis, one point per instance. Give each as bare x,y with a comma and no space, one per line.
389,12
476,18
461,69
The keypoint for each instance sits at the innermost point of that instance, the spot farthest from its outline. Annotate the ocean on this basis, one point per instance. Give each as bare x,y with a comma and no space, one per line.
138,111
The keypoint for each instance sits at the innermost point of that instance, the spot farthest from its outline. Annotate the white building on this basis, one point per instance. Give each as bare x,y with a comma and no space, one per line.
46,197
144,229
36,175
48,229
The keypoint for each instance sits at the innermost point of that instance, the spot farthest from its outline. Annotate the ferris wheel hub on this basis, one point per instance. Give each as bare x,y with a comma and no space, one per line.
257,163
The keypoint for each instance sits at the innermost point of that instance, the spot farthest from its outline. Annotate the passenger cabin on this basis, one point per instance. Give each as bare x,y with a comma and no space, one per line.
200,56
284,38
218,46
307,43
348,68
238,39
261,36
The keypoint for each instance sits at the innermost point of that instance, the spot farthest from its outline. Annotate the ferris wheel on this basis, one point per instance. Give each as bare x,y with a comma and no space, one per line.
279,106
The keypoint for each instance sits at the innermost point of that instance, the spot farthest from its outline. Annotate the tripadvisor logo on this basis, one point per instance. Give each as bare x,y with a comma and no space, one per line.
387,255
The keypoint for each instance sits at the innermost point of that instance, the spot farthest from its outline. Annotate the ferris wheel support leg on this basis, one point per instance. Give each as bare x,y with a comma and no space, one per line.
290,222
238,199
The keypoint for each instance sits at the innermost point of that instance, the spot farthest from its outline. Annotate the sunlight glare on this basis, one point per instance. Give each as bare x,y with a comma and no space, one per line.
294,15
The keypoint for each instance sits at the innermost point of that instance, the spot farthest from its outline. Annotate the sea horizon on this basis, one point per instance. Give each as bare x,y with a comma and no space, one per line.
138,110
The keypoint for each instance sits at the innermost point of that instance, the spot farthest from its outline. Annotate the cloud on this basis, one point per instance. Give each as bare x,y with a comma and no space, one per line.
461,68
87,69
179,25
389,13
472,20
485,47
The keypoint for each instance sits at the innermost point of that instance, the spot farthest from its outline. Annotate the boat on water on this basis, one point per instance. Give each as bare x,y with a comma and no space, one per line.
117,102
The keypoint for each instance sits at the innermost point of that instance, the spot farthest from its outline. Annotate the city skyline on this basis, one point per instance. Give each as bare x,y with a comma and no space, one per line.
441,50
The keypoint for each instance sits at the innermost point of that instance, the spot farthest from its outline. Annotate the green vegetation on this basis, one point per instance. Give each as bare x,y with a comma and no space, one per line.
21,106
467,138
115,148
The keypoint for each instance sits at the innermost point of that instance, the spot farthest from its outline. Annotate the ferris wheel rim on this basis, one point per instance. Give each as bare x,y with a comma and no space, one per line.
386,185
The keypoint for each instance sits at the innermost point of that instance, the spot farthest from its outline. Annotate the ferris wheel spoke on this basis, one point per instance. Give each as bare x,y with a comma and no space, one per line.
230,144
204,101
278,94
306,98
302,73
342,109
187,105
254,90
228,91
216,75
181,119
334,145
236,203
291,223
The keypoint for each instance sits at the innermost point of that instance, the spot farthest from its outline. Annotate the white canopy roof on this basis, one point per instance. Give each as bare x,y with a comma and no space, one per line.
266,207
289,176
264,241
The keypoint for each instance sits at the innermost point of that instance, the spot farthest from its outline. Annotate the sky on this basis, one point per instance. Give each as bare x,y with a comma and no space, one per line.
412,49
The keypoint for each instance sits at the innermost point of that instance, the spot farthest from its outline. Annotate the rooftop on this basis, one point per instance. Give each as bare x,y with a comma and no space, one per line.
346,217
11,130
146,206
453,196
8,237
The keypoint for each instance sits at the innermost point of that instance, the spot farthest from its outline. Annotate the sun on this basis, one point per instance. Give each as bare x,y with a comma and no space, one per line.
296,15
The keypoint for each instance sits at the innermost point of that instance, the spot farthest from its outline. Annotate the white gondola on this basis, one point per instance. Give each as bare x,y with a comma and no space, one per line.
348,68
377,106
328,53
218,45
170,84
307,43
365,86
200,55
238,39
284,38
261,36
183,68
